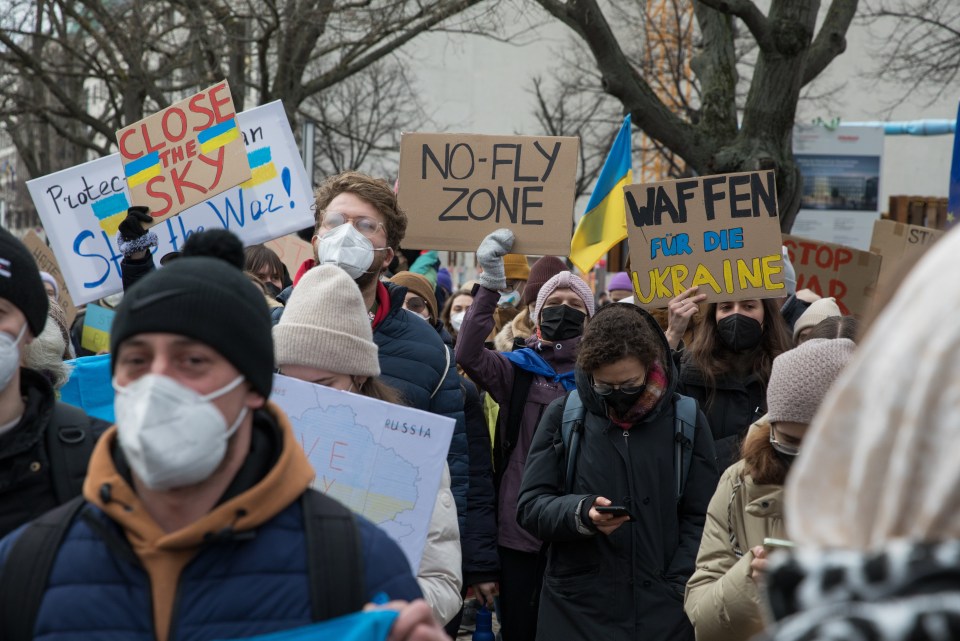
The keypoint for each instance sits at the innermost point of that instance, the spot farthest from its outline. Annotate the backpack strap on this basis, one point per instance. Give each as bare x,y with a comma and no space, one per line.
23,581
334,557
685,427
571,429
504,443
446,370
70,441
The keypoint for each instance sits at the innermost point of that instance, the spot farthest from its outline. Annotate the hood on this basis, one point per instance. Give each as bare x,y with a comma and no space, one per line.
287,480
879,461
519,327
593,402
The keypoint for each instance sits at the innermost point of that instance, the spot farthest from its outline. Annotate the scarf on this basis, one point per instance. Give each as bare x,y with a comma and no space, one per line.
530,361
655,386
907,591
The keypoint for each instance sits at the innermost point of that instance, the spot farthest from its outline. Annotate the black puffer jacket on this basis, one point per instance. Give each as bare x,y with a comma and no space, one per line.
735,404
628,585
27,485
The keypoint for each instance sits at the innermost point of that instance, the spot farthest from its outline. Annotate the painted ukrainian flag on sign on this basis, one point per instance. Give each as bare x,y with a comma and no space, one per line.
262,168
605,222
142,169
111,211
212,138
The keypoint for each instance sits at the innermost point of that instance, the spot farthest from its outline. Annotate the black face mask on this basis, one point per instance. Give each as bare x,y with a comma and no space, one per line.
786,459
272,289
621,402
740,333
560,322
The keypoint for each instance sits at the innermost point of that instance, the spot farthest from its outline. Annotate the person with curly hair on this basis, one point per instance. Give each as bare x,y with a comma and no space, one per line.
611,576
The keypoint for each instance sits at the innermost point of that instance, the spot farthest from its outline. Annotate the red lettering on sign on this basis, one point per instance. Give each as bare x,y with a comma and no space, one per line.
125,151
217,162
220,117
180,182
196,106
333,455
176,114
152,191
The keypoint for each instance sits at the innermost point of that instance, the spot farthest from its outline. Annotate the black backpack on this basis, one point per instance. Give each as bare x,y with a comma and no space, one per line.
334,562
684,427
70,438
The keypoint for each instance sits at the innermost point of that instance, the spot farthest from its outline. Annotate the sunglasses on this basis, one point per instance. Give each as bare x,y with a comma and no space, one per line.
415,304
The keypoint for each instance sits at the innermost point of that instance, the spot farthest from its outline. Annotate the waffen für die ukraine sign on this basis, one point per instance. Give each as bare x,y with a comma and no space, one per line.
457,188
720,233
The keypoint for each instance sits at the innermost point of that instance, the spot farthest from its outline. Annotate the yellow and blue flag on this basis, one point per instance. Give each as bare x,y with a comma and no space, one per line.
142,169
212,138
111,211
262,168
605,222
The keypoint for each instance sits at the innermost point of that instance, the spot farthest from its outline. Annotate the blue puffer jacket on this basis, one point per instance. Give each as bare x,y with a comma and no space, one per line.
237,584
414,360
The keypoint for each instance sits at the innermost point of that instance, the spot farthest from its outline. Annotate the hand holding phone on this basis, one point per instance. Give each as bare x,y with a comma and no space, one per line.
769,542
613,510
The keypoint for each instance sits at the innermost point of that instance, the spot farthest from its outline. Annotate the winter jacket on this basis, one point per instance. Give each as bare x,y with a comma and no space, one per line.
722,599
628,584
793,309
735,403
414,361
133,270
27,487
494,373
481,562
439,575
241,570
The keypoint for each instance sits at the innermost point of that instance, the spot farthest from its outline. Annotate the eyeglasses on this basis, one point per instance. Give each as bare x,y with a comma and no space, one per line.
790,449
363,224
605,389
415,304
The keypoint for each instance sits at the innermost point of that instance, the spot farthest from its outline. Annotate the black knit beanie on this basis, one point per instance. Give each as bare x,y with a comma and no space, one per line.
210,301
20,281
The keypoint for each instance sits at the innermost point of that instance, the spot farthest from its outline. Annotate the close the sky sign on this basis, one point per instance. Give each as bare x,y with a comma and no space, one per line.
721,233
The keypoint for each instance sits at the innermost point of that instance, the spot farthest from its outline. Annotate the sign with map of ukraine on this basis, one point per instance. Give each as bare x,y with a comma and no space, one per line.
381,460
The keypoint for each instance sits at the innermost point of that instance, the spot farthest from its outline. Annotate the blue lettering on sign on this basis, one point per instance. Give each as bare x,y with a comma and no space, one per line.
83,251
670,246
723,240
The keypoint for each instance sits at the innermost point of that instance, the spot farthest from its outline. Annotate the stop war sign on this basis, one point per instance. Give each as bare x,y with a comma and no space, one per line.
847,274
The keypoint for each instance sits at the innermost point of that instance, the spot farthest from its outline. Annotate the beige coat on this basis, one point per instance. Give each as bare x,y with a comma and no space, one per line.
721,599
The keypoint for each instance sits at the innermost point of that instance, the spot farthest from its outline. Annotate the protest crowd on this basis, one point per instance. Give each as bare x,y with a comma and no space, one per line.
636,460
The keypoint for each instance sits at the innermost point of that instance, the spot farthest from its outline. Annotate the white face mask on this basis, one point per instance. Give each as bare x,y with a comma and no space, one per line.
509,299
170,435
346,248
9,356
456,320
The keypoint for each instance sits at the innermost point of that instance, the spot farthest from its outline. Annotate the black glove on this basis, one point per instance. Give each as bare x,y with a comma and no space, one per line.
132,226
132,238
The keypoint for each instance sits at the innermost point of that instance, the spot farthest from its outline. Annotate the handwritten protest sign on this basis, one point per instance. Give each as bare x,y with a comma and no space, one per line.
719,232
48,263
292,251
274,203
381,460
457,188
183,155
96,329
848,275
901,246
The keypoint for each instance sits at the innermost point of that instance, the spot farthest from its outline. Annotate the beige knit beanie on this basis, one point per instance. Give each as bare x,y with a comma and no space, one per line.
801,377
325,325
819,310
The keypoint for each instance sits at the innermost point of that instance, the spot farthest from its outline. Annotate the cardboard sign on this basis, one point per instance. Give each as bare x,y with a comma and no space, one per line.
73,202
292,251
48,263
457,188
900,246
96,329
847,274
183,155
721,233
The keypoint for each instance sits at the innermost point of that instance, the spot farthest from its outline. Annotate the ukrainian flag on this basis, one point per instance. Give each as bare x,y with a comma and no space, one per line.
142,169
111,211
212,138
605,222
262,168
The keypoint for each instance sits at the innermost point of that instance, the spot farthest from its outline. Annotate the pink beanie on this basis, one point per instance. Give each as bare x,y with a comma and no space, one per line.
564,280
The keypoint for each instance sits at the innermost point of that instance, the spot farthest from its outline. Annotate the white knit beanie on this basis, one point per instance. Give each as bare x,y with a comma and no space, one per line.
325,325
819,310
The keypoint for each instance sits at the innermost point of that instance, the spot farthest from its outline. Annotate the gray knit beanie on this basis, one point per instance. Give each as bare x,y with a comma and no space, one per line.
564,280
325,325
818,311
801,377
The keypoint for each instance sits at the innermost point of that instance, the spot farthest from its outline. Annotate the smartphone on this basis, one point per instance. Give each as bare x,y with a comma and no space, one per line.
778,543
615,510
